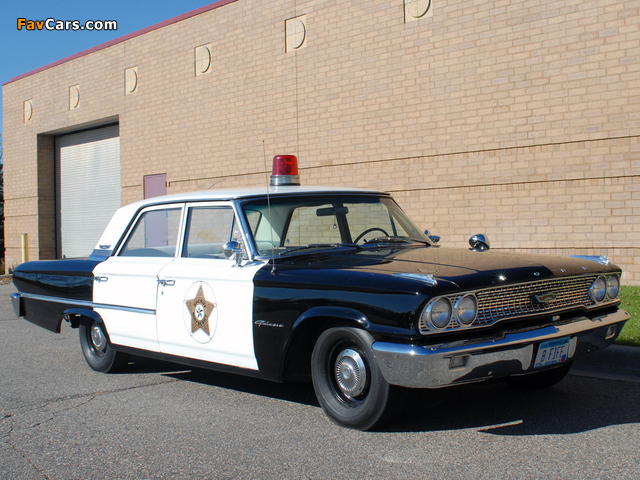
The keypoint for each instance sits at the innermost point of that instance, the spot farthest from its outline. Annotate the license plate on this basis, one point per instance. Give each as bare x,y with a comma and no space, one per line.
552,352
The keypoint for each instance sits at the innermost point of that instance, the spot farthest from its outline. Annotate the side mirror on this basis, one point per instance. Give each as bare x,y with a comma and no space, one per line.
233,249
479,243
433,238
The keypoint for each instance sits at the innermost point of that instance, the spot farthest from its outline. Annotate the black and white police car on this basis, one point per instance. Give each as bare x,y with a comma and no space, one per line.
334,284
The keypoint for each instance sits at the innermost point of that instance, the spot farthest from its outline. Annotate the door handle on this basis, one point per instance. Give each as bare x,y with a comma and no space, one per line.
166,283
101,279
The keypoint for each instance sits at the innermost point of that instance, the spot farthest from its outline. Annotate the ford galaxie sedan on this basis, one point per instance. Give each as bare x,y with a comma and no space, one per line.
333,284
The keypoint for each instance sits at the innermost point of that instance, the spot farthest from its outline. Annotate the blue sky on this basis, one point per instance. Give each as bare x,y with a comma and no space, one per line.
23,51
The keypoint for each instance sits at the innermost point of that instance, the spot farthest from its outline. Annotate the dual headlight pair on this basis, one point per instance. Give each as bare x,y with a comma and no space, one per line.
605,288
440,312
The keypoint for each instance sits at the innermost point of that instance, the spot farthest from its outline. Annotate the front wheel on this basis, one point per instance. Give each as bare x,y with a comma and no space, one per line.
98,351
348,383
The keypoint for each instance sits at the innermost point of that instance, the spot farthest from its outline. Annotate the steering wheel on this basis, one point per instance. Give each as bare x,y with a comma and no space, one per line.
369,230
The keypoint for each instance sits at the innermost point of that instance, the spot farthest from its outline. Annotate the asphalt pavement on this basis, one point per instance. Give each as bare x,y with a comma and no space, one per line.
60,420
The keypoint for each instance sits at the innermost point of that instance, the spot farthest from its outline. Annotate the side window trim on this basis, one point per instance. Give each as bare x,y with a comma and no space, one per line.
245,230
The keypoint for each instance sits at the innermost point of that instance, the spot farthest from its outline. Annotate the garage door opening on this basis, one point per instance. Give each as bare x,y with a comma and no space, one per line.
88,188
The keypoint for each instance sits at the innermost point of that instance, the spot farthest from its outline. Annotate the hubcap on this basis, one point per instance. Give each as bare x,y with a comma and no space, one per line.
98,338
350,372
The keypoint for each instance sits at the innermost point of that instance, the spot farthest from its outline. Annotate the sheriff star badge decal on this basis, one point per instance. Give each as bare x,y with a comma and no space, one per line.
200,310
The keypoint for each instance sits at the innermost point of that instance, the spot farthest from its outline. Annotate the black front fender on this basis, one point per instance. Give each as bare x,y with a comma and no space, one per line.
348,315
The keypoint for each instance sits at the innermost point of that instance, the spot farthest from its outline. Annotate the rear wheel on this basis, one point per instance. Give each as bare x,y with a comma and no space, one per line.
348,383
98,351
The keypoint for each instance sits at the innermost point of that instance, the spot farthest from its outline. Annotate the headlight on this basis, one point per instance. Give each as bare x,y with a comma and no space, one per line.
438,313
598,290
466,309
613,286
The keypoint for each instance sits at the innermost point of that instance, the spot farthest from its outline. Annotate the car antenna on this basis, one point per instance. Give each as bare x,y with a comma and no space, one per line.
215,183
273,253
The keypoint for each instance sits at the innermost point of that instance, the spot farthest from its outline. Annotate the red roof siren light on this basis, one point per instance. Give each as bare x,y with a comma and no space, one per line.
285,171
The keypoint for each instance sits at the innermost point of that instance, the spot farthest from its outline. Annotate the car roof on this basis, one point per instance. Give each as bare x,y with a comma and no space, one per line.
125,214
247,192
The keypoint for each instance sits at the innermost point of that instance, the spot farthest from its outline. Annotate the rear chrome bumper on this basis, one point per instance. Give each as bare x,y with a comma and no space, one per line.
467,361
16,302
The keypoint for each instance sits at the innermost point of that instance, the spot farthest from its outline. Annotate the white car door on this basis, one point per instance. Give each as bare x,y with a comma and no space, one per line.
205,300
126,284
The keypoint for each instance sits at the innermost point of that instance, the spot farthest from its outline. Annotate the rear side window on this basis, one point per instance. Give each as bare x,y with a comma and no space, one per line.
155,234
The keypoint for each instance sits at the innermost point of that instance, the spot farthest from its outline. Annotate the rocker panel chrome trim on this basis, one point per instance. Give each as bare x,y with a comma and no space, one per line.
84,303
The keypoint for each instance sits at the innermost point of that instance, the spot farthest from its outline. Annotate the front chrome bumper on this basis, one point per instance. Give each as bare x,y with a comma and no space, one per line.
467,361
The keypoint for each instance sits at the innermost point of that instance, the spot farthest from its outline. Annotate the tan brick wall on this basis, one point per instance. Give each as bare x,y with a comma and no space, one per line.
517,119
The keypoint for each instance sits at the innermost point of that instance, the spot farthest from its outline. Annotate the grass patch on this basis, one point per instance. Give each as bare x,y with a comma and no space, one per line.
630,301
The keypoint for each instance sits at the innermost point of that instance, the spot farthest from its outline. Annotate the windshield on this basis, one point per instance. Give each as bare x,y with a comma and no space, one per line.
326,221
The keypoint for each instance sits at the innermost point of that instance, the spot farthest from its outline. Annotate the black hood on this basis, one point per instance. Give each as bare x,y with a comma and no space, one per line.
465,269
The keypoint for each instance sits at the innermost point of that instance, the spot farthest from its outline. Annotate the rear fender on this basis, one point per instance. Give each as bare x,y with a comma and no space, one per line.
81,316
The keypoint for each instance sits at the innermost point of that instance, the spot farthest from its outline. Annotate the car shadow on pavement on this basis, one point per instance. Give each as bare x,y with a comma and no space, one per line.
138,365
297,392
577,404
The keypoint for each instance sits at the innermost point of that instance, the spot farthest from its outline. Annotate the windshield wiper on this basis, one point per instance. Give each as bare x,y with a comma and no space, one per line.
396,240
313,246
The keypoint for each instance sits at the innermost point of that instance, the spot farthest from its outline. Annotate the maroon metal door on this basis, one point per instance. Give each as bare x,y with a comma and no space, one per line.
155,185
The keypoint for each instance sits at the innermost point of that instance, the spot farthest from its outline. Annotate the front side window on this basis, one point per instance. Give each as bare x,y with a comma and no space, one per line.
155,234
208,230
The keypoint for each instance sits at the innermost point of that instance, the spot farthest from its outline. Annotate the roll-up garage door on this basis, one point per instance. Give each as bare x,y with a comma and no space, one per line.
89,191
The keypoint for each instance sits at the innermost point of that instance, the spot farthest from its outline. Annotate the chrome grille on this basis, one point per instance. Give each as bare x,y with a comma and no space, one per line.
511,301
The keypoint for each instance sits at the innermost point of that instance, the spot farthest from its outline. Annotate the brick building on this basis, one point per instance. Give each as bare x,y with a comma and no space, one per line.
520,120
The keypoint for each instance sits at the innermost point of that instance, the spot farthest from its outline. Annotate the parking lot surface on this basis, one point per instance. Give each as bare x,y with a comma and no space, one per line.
61,420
